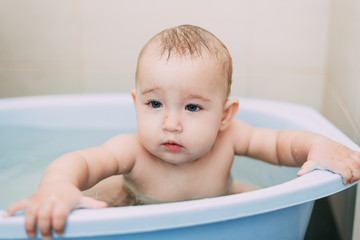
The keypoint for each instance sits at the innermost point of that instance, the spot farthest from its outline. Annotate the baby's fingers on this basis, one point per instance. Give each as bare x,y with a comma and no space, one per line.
60,215
355,170
20,205
308,166
61,212
31,217
349,169
356,166
88,202
44,220
355,176
346,174
341,169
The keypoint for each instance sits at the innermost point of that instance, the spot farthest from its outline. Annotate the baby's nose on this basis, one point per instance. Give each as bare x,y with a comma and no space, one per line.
172,123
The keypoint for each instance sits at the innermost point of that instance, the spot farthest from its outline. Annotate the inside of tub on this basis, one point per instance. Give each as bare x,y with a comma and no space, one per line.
26,151
35,131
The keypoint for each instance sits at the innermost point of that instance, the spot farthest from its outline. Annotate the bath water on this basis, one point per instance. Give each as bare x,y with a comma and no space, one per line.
25,152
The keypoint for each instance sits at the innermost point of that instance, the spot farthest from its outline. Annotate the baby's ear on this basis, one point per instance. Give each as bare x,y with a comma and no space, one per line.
133,94
230,108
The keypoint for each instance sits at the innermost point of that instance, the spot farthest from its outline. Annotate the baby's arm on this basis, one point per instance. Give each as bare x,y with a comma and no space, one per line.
298,148
61,185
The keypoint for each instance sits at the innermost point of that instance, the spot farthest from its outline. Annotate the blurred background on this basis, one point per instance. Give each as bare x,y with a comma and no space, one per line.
300,51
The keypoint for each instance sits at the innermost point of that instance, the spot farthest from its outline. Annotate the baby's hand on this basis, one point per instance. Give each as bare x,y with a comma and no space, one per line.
49,207
326,154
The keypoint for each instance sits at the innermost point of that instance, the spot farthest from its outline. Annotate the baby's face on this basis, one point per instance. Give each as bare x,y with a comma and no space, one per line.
179,105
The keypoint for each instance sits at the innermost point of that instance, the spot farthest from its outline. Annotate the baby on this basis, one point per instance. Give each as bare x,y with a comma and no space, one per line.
186,141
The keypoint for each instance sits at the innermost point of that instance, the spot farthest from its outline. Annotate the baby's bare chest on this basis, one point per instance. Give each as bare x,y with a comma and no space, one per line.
174,183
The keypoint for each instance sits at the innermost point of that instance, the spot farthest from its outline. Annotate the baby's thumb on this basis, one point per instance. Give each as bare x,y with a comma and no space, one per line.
306,167
88,202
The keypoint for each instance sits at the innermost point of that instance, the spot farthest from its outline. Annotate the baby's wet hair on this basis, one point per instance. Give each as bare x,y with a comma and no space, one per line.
188,41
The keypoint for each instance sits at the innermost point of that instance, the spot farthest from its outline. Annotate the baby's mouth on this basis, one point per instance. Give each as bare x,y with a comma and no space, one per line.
172,146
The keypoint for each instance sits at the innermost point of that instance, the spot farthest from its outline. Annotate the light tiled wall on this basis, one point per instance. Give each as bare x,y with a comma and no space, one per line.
78,46
342,98
343,80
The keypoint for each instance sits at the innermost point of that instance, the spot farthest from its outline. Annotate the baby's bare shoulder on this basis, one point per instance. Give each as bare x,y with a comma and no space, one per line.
236,126
238,133
130,138
123,144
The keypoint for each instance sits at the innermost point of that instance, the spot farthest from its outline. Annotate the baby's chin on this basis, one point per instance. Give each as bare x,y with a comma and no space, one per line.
177,158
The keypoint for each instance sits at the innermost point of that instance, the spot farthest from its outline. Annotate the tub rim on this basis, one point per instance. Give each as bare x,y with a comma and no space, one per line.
135,219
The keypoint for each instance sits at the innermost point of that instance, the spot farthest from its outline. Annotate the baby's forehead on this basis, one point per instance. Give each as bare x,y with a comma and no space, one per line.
218,62
206,66
153,56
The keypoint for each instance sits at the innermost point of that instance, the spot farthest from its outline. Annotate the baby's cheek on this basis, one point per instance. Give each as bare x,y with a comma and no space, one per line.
204,140
147,124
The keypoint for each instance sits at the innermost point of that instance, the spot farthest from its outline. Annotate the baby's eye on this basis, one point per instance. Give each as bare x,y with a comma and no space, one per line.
193,108
155,104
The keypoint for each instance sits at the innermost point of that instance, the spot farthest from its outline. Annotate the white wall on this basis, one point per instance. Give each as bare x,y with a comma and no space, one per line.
70,46
342,97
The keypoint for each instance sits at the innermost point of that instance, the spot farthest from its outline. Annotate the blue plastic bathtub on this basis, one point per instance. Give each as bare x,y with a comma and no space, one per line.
38,127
